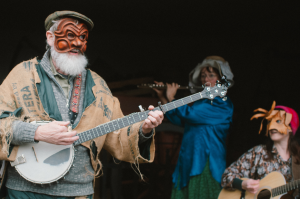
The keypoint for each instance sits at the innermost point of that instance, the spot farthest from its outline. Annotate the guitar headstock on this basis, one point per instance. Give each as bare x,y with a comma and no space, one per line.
220,89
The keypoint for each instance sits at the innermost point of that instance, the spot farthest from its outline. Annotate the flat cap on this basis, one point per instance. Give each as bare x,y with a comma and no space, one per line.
67,13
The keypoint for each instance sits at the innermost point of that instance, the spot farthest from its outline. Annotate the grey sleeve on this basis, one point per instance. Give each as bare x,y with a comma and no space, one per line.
23,132
142,137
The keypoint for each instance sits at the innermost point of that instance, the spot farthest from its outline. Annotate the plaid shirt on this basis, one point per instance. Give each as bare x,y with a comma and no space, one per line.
252,164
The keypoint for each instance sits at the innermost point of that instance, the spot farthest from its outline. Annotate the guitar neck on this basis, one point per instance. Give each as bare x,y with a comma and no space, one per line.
285,188
132,119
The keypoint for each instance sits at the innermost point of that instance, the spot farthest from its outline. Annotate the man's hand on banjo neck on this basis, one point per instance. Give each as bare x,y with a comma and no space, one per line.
55,133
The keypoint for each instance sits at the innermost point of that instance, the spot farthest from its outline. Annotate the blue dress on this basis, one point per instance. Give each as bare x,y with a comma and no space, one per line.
205,130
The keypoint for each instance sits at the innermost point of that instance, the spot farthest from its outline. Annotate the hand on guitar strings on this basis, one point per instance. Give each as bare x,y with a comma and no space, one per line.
154,119
250,185
56,133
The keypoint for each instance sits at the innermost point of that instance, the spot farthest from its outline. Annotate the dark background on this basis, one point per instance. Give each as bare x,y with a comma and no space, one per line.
166,39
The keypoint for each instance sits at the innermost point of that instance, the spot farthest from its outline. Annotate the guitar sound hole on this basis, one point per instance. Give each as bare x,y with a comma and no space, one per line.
264,194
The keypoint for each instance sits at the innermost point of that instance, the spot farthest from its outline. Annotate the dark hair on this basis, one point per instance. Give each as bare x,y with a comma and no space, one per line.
212,70
293,147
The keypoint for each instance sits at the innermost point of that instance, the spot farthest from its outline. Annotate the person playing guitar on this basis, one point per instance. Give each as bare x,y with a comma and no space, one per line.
279,154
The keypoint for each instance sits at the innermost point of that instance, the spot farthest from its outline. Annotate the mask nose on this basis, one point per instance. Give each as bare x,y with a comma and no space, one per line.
76,43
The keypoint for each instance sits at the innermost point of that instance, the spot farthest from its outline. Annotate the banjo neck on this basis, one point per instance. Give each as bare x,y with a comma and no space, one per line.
208,92
111,126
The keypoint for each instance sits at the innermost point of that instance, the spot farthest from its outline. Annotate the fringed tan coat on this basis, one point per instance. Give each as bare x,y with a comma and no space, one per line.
21,89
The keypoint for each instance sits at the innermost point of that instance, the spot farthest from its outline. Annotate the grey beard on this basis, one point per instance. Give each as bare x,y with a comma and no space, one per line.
69,64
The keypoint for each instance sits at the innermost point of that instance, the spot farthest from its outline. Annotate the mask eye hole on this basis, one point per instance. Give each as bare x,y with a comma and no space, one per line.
82,37
70,36
278,121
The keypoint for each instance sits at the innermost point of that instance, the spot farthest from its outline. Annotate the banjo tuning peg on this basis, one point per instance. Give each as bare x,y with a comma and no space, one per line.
141,108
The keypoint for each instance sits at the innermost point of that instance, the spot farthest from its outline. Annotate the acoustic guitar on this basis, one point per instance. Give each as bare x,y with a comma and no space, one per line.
44,163
272,186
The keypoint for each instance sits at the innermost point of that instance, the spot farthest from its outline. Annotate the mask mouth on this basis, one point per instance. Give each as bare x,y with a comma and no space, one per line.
274,131
75,51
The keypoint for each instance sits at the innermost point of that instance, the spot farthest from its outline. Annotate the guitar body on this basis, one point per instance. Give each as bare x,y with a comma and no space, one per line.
272,180
46,163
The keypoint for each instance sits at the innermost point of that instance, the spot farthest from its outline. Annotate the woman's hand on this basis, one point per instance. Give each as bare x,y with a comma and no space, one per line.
172,90
160,92
250,185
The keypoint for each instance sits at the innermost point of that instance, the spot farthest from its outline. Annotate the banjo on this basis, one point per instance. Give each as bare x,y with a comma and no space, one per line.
44,163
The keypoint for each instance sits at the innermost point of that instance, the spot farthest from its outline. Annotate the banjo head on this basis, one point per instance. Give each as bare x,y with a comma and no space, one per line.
45,163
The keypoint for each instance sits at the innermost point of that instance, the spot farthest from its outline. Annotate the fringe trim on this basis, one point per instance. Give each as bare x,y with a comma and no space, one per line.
6,132
98,173
137,168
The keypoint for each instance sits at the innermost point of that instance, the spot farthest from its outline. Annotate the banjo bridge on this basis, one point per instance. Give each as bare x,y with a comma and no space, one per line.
35,154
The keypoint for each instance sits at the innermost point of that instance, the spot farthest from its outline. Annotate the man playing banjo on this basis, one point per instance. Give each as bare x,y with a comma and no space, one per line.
59,89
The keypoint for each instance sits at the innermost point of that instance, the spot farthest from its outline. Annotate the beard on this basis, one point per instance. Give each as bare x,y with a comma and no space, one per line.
69,64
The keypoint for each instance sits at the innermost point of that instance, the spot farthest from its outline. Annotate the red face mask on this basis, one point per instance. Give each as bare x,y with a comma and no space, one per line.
70,36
